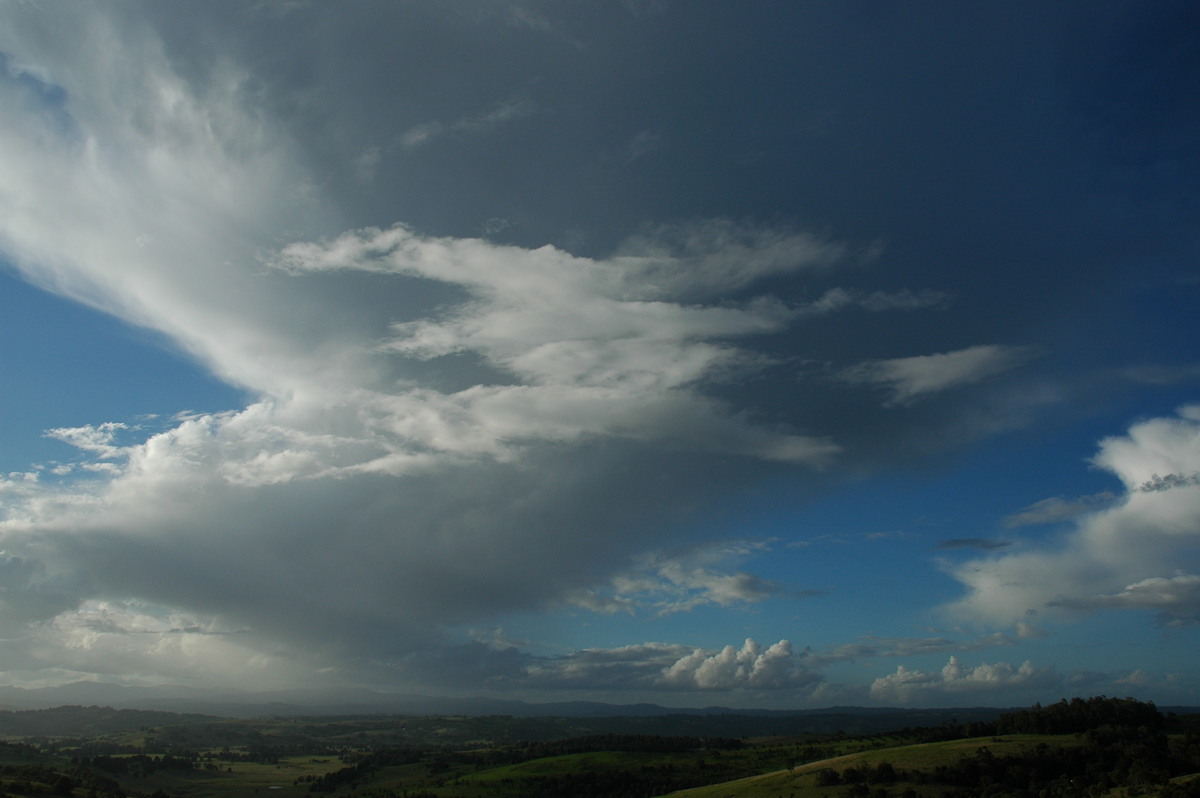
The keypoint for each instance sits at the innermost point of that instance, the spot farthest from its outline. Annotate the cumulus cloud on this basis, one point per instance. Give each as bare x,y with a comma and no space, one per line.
955,682
910,378
1138,553
632,669
749,666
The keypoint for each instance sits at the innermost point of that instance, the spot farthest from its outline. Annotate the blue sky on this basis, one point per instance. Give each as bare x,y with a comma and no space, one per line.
751,354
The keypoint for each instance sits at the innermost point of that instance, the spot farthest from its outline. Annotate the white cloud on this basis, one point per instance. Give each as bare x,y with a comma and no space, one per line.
749,666
128,642
957,682
1139,553
910,378
682,580
644,668
1176,598
590,352
351,500
357,507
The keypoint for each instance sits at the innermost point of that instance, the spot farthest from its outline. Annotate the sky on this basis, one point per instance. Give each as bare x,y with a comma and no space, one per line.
753,354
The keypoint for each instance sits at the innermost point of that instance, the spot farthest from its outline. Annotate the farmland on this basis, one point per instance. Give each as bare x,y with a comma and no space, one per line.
1078,749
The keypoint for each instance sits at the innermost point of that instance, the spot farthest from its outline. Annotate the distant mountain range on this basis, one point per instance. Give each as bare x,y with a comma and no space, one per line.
363,701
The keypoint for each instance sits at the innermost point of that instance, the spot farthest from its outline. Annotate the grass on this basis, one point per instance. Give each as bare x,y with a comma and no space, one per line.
801,782
237,779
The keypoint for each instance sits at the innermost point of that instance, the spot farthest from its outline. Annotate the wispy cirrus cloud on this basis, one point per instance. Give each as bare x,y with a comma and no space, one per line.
1058,508
476,124
908,379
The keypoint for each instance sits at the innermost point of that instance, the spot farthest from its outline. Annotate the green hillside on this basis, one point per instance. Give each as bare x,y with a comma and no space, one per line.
1094,748
812,780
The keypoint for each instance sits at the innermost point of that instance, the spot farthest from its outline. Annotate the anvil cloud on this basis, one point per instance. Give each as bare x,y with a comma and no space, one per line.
580,361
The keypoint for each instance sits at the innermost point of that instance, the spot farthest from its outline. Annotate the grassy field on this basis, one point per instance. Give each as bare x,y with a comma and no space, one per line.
236,780
500,757
455,779
801,781
451,777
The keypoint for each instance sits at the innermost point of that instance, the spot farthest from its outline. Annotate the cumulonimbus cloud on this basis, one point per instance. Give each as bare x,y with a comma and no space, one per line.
438,429
354,500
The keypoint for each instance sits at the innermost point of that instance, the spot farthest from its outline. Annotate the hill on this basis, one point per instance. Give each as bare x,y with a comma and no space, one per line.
1083,748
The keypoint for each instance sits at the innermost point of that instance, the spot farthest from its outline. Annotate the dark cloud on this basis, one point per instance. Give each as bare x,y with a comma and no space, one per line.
986,544
1058,508
792,243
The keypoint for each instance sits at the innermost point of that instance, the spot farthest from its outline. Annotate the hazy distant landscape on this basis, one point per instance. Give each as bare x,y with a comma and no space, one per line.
363,701
1073,749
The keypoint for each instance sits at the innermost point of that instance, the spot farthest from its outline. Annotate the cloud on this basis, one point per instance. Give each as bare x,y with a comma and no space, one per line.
715,257
910,378
956,682
98,440
750,666
1158,483
1139,553
590,352
836,299
1163,374
1176,598
651,667
639,668
1057,509
972,543
682,580
437,429
874,647
128,642
500,114
436,426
